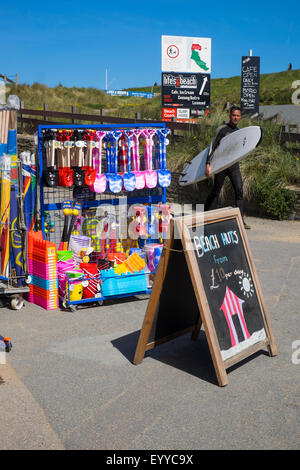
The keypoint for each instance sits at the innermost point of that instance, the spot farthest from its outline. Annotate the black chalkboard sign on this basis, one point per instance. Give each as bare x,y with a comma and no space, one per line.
250,78
229,286
208,277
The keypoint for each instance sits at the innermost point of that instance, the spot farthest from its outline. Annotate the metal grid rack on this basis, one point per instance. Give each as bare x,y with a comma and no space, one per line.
51,199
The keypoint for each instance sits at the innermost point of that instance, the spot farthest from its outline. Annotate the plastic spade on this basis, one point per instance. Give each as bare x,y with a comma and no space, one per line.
122,153
50,173
99,185
129,178
164,175
78,171
115,181
150,174
60,159
90,172
67,172
135,158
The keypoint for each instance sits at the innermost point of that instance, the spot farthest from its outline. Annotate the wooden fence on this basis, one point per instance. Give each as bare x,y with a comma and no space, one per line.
44,116
288,134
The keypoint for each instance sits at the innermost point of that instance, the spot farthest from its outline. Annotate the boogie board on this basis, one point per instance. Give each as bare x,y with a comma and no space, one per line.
232,148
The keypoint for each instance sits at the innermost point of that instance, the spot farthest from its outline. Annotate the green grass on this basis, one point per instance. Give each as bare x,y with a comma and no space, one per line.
266,172
275,88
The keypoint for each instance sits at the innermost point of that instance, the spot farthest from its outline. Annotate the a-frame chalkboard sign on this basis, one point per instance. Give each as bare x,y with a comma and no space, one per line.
206,276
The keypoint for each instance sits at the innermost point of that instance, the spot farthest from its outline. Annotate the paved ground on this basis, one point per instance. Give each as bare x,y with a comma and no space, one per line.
70,383
290,112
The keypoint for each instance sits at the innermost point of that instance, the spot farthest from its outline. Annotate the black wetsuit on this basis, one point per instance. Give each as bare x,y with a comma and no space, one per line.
233,172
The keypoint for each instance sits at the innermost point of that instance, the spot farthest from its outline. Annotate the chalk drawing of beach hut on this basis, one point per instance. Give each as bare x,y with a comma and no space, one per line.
233,305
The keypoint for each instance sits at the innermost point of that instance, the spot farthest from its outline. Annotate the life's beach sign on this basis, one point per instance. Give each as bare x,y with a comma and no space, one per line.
186,68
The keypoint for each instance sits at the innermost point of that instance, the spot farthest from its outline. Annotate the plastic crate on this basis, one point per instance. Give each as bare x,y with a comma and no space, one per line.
118,284
48,284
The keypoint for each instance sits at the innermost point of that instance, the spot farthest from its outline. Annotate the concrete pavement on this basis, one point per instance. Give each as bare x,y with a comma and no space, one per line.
70,383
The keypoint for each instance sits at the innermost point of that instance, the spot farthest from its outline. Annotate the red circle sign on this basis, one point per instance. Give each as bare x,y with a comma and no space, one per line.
172,51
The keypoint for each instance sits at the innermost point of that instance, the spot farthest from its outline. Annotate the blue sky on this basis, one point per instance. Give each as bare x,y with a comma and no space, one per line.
73,43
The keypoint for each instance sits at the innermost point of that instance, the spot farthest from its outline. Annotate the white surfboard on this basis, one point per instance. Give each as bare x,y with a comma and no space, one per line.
232,148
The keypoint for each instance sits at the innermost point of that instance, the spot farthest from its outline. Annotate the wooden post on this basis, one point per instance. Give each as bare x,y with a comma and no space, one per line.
45,108
21,117
172,130
73,110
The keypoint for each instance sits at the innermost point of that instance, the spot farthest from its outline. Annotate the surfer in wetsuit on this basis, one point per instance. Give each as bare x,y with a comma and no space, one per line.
233,172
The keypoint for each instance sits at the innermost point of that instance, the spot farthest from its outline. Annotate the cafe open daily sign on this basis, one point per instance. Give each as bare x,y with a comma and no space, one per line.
207,277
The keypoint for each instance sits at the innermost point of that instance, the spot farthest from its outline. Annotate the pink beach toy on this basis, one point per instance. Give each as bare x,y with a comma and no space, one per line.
150,174
135,158
99,185
129,179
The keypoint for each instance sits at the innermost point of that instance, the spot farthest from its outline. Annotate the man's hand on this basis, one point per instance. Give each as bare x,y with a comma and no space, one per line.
208,170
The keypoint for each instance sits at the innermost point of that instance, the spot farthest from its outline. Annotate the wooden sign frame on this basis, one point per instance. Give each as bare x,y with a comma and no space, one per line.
205,317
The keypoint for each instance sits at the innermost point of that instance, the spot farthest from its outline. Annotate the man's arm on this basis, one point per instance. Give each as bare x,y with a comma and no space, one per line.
215,143
221,132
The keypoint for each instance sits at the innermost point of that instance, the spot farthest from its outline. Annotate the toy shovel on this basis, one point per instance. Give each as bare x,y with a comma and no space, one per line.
163,175
122,154
150,174
67,172
99,185
51,173
90,172
135,158
60,156
78,171
115,181
129,179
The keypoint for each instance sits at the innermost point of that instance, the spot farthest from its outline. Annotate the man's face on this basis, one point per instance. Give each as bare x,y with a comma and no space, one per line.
235,117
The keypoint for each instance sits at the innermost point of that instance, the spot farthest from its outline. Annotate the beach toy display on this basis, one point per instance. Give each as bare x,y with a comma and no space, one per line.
103,206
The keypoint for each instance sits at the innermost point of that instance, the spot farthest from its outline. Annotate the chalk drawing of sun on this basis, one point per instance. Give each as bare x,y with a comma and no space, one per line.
246,284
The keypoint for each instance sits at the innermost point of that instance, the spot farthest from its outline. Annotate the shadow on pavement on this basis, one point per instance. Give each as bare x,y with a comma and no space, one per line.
192,357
